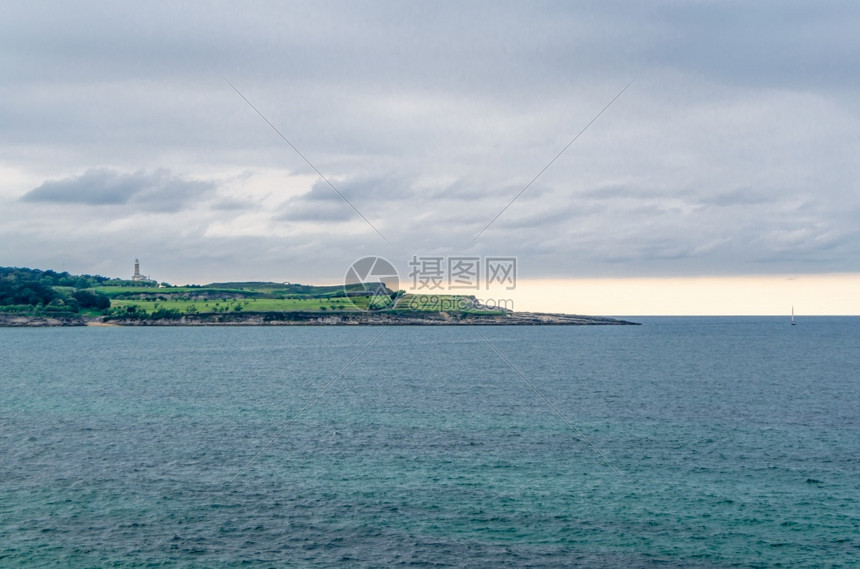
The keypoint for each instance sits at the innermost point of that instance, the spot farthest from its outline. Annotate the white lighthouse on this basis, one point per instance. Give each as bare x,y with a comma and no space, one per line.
137,277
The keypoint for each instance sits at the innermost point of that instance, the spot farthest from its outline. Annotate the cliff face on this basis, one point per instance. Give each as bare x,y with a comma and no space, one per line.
23,320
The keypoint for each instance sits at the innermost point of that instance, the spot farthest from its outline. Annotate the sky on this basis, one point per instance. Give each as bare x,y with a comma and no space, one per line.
696,150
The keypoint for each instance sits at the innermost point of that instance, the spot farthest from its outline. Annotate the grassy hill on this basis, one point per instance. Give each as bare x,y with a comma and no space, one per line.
34,292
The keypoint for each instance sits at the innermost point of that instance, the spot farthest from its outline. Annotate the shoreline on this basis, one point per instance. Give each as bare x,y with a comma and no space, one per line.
12,320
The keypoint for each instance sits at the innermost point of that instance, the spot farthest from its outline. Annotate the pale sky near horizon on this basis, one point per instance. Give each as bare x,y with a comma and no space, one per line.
724,180
768,295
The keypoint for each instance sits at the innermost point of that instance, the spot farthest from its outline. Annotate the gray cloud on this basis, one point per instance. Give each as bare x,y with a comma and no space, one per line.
324,203
739,197
230,204
155,191
323,211
776,44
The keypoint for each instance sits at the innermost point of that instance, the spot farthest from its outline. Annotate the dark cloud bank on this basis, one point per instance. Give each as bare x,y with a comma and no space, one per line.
158,191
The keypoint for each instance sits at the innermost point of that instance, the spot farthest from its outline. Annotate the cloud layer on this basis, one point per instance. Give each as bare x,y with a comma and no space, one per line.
733,152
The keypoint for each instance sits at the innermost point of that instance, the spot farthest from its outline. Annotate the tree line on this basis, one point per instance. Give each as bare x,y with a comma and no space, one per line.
24,290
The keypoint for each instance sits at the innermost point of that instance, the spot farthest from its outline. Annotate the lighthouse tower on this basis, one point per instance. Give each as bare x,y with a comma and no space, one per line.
137,277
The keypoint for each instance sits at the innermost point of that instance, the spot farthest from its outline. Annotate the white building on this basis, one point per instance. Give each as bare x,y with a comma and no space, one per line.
137,277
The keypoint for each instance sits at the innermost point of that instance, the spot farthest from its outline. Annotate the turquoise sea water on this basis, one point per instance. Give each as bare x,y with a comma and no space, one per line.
738,440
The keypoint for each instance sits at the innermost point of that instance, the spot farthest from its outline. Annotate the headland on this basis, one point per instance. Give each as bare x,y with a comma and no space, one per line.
36,298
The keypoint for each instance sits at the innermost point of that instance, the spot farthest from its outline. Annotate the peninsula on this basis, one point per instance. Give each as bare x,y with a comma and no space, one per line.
32,297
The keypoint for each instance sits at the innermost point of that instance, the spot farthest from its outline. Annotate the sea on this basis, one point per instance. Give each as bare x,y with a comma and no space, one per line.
684,442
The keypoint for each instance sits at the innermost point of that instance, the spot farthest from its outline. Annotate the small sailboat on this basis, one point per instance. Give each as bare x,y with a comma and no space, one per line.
793,323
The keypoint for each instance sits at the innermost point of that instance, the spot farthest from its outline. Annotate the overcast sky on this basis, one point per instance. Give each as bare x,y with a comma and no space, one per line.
735,151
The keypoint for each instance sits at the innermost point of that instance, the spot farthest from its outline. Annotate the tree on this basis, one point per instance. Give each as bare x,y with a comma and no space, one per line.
89,299
26,293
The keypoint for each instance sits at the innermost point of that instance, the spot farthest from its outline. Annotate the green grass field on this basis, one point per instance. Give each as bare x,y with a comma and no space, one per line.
249,290
269,297
247,305
435,303
113,291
